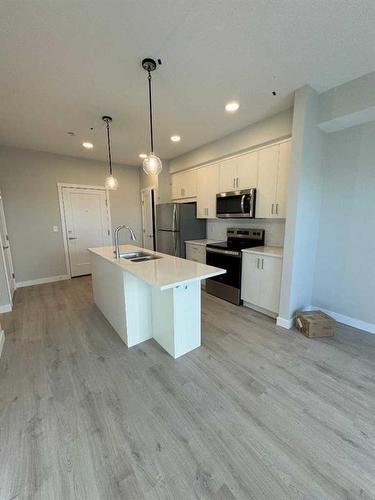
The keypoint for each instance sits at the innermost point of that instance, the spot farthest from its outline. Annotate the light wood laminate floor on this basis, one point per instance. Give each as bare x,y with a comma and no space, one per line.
257,412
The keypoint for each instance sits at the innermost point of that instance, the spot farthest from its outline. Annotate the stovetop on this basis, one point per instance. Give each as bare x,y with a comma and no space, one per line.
239,238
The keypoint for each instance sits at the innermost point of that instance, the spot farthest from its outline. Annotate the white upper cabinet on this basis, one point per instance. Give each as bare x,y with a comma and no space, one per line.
207,188
240,172
282,179
247,170
184,185
273,175
227,175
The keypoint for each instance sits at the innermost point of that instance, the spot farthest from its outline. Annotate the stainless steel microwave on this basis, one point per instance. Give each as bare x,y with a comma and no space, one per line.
236,204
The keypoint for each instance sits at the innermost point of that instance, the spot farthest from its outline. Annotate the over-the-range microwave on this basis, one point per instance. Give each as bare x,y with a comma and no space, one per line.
236,204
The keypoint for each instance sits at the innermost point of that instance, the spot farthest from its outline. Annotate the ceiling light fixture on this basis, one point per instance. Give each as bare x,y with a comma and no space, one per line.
175,138
87,145
142,155
151,164
232,106
110,181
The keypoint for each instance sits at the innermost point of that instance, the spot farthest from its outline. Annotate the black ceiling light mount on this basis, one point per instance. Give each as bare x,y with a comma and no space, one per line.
152,164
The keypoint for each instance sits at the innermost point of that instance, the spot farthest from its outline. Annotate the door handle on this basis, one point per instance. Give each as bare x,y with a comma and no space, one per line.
262,263
5,248
71,238
257,262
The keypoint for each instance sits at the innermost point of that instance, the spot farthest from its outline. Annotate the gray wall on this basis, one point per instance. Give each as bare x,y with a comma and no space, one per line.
269,130
28,180
345,262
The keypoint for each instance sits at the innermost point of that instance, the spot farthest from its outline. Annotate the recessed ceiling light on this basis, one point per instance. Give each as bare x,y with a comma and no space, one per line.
232,106
175,138
88,145
142,155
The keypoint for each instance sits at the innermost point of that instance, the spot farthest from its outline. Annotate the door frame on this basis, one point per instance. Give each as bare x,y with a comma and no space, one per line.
84,187
2,243
153,198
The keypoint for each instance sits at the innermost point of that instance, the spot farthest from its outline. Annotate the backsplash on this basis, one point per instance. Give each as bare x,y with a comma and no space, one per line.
274,236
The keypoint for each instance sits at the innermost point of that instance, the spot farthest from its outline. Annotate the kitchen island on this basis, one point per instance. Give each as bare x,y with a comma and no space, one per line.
159,298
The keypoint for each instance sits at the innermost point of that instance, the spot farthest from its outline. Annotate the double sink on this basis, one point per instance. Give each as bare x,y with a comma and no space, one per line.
138,256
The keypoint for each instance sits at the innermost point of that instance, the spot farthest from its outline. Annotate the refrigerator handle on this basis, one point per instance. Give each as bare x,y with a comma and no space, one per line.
174,222
175,241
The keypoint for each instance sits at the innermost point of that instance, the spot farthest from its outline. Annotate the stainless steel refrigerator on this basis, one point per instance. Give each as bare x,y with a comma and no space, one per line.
176,223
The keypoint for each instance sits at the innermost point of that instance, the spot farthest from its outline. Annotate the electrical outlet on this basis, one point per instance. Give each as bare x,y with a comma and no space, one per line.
55,229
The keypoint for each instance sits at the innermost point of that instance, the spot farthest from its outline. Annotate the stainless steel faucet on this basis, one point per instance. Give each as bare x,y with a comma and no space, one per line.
117,245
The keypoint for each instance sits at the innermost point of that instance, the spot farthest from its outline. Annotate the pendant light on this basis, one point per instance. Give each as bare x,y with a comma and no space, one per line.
151,164
110,181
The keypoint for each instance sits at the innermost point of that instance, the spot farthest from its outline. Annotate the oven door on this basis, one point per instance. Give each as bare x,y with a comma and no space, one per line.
228,260
236,204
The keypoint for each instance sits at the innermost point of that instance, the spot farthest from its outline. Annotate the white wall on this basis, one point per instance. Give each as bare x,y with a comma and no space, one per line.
28,181
345,264
303,213
266,131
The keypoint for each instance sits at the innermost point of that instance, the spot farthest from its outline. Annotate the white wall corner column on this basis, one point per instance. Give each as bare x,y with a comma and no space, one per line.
303,212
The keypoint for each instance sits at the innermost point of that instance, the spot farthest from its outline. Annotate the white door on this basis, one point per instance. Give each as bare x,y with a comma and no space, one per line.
7,256
148,217
87,225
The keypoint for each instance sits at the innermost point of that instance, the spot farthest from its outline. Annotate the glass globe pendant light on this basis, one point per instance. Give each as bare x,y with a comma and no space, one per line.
111,182
151,164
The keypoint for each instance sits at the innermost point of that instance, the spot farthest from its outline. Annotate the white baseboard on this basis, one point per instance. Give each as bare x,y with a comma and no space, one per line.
5,308
41,281
260,309
2,340
284,322
347,320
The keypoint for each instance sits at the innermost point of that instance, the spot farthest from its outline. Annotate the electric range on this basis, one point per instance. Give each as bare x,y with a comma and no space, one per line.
228,255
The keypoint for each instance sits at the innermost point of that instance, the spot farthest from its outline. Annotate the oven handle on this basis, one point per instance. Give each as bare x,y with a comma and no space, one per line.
224,252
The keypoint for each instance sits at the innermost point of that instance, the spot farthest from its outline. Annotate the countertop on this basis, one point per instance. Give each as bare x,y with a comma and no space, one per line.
268,251
202,242
164,273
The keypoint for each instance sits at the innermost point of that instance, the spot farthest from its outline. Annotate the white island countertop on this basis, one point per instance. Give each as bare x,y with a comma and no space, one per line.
265,251
166,272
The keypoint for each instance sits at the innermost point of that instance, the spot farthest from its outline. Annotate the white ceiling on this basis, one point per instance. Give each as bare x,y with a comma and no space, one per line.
63,64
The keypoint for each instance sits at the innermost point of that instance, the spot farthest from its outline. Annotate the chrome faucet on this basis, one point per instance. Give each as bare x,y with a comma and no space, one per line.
117,244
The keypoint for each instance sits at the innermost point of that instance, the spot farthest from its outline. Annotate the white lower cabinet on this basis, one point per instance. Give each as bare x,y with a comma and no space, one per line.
261,280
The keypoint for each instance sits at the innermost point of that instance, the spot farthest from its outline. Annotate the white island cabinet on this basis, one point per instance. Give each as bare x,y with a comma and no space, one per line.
159,299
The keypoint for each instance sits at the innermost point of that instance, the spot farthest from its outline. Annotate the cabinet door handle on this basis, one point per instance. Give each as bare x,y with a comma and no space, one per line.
262,263
257,262
277,209
272,208
237,181
234,182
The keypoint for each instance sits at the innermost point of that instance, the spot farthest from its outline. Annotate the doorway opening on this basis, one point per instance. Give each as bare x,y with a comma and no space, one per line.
148,196
85,222
6,257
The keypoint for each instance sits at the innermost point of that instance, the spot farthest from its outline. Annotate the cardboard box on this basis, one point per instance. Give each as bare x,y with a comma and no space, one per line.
315,324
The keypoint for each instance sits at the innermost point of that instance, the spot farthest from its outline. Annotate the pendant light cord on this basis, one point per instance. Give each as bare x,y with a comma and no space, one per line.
150,99
109,149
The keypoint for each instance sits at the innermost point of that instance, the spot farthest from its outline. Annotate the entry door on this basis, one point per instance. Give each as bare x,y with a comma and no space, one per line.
87,225
4,241
148,218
